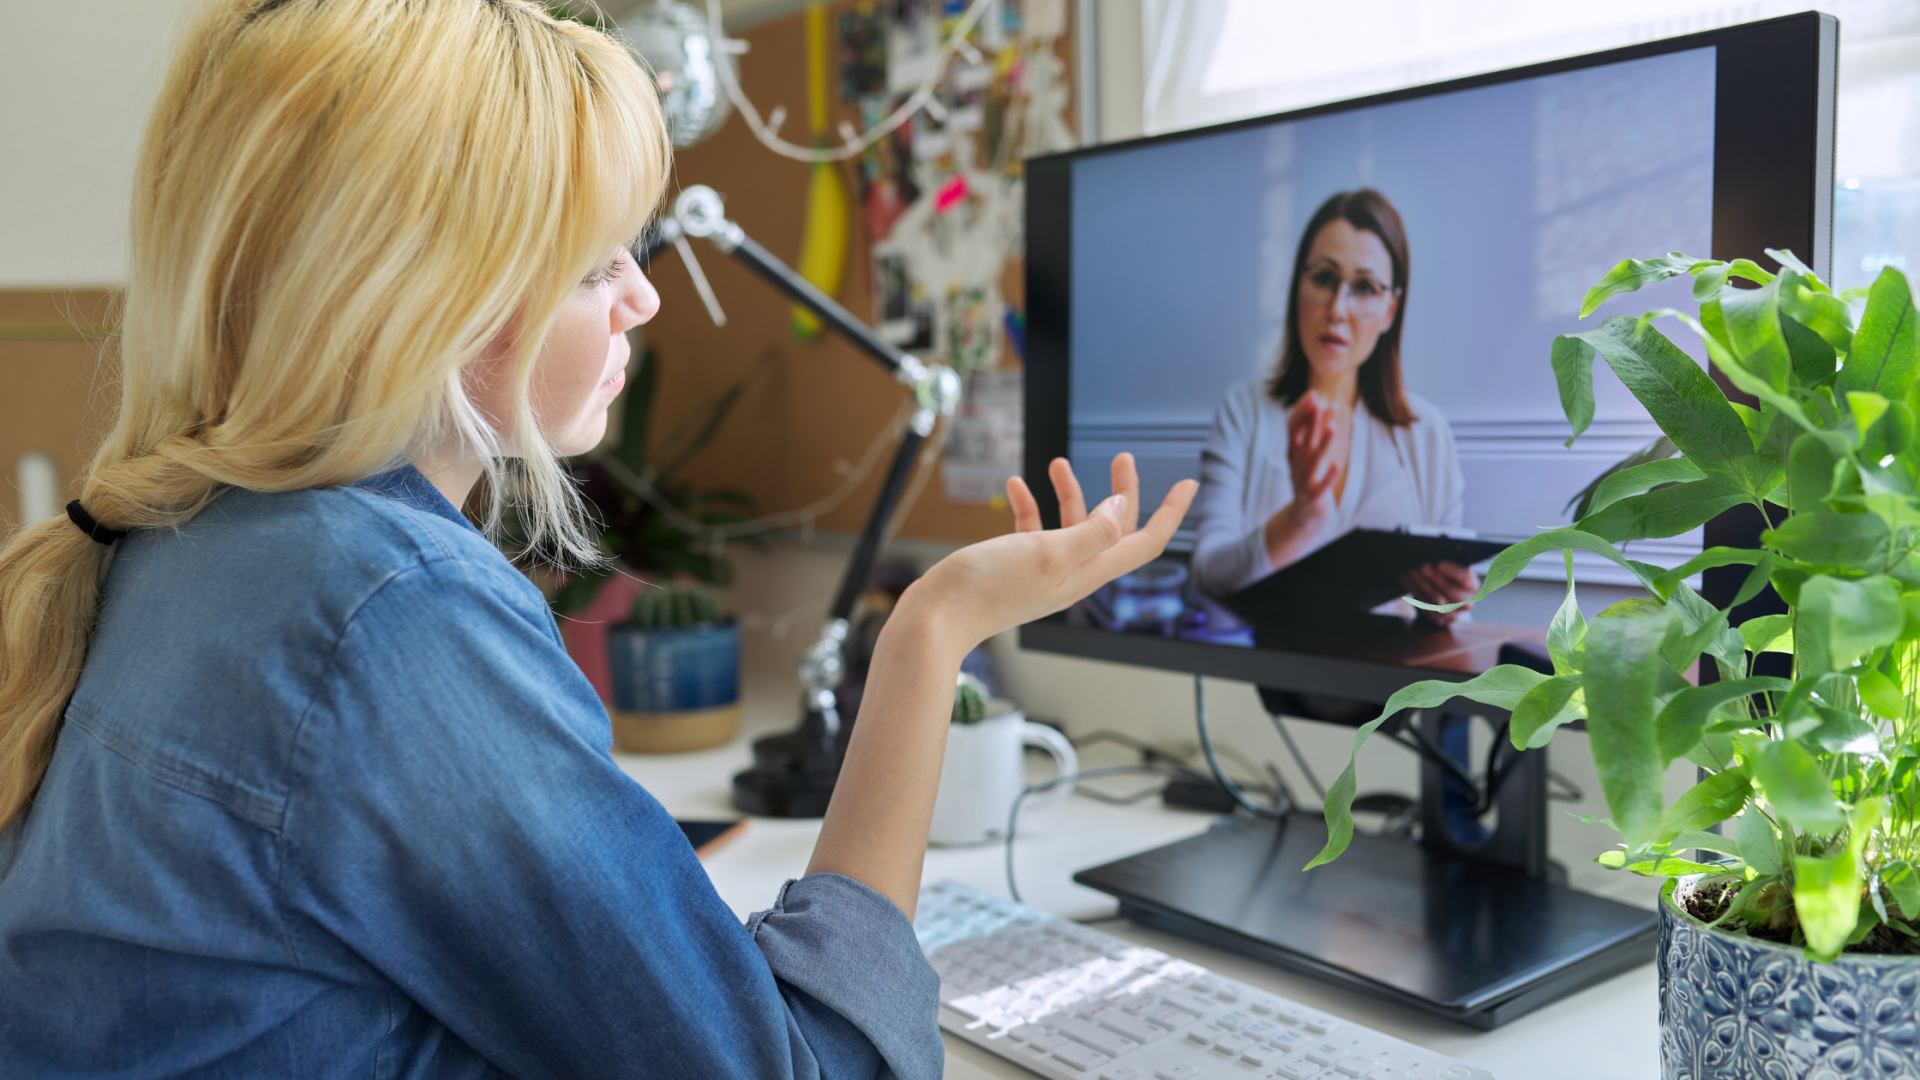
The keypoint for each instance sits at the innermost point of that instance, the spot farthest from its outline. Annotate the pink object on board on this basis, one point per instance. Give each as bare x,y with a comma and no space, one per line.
950,194
585,631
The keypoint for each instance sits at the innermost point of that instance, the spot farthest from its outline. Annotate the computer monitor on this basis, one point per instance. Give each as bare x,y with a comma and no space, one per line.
1180,305
1163,272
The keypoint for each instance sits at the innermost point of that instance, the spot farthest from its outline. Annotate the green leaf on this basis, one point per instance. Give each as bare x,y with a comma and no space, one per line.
1680,724
1502,687
1631,274
1826,899
1707,560
1826,891
1709,802
1759,845
1568,630
1841,621
1903,882
1883,695
1639,478
1573,370
1507,565
1812,462
1793,783
1814,360
1543,710
1768,633
1664,511
1867,408
1753,326
1883,358
1656,866
1677,393
1700,840
1620,677
1826,538
1709,279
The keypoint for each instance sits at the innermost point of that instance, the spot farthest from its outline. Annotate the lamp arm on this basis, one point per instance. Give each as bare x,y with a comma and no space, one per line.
699,213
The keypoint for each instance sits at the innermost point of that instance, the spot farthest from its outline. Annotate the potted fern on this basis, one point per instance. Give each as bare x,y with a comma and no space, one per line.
676,672
1788,946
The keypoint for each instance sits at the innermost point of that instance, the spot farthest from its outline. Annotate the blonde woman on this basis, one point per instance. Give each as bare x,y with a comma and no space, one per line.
295,777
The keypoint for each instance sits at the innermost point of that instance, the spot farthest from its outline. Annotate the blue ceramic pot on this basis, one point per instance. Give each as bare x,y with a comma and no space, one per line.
695,667
1736,1008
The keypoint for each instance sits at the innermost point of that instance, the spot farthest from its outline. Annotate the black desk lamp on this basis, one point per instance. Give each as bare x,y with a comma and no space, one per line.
793,773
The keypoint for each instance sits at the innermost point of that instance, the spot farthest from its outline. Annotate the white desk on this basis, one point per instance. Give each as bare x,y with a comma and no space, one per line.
1608,1031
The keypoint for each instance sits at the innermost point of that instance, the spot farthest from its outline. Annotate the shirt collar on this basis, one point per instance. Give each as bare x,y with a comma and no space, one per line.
406,484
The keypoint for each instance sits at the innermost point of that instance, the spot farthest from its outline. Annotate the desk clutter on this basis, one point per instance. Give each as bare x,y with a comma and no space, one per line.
1064,1000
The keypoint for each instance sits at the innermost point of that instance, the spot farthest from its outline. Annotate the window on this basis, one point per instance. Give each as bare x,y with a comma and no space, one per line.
1213,60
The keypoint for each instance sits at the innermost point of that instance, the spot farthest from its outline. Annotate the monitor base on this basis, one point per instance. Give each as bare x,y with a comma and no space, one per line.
1464,940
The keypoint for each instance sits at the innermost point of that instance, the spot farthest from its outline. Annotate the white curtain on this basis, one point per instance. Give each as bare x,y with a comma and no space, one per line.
1213,60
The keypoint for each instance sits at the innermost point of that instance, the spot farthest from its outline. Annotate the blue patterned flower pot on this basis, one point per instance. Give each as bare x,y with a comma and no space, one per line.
1735,1008
656,671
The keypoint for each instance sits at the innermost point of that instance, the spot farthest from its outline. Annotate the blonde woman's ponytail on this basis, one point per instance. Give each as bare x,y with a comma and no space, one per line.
338,205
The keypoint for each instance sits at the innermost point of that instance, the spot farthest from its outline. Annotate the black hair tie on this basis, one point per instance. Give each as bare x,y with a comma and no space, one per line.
100,533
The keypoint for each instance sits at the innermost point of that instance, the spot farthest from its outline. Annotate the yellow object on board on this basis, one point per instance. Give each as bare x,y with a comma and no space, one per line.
823,245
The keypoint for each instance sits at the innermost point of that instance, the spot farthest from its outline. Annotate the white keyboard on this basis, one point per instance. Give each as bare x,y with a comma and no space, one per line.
1068,1001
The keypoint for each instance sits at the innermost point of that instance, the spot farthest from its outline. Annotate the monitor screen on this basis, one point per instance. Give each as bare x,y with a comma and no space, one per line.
1340,322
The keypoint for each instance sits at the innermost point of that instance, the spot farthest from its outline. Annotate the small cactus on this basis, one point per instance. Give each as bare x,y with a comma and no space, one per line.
673,607
970,700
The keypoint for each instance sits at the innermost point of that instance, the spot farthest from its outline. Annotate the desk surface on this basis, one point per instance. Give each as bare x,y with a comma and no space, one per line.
1609,1031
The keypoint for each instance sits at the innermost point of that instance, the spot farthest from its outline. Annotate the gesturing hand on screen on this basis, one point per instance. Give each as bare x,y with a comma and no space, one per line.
1312,431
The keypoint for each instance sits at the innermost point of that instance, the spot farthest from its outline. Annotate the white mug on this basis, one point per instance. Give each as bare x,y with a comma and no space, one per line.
983,774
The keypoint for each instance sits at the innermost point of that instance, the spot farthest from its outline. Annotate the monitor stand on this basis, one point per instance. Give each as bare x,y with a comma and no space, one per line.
1461,939
1477,930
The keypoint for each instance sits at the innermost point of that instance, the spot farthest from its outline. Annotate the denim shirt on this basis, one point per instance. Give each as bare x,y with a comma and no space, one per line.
331,800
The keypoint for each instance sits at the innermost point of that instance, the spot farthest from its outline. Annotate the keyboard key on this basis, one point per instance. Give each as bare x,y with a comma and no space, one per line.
1232,1020
1386,1073
1298,1070
1320,1025
1286,1016
1187,1002
1129,1025
1287,1040
1258,1031
1025,1032
1079,1056
1232,1045
1260,1055
1168,1017
1121,1072
1175,1072
1325,1053
1106,1042
1201,1036
1356,1066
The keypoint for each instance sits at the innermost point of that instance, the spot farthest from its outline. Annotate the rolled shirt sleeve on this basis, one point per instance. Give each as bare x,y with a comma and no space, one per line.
1230,548
458,825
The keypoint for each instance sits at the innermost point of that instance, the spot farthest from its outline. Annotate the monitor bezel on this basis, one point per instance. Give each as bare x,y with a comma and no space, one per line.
1772,188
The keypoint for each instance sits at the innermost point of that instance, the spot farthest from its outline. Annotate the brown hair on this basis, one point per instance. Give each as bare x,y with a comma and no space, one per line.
1380,385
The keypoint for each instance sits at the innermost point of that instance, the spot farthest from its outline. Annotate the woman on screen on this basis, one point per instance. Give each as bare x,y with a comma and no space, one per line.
1332,442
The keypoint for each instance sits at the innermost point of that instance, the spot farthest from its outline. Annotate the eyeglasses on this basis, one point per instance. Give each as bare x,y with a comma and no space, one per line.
1365,295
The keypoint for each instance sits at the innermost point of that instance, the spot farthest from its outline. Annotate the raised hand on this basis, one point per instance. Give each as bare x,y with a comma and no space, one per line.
1000,583
1311,431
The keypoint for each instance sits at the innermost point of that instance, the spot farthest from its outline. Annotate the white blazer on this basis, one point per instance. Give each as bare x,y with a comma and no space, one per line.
1397,476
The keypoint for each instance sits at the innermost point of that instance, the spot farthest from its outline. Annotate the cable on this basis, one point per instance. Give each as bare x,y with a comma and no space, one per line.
921,98
1151,754
1299,759
1277,811
1570,791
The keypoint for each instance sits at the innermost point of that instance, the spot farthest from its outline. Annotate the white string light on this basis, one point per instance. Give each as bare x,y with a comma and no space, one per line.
852,147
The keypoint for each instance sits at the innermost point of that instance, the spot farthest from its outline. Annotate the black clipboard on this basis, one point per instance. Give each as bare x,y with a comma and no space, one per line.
1352,575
